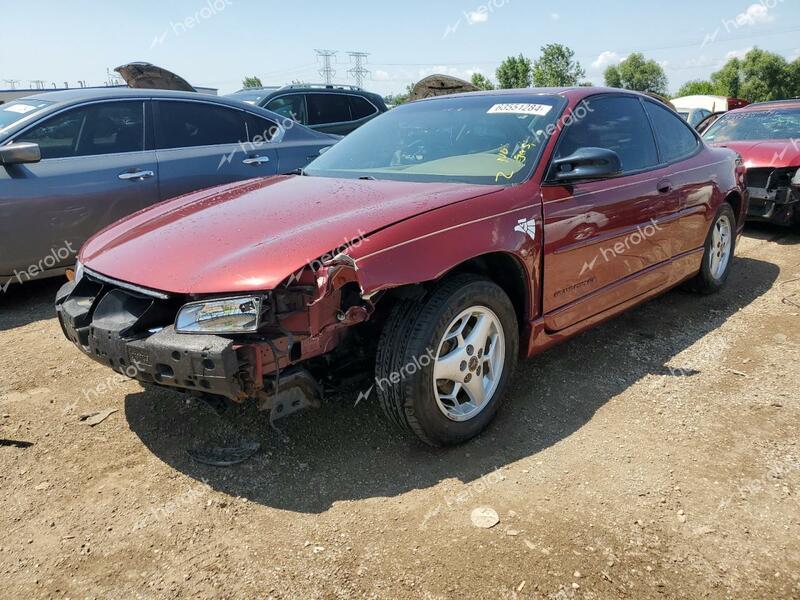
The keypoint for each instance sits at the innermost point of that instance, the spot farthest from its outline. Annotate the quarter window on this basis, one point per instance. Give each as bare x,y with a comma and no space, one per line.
328,108
260,130
675,139
110,128
361,108
192,124
616,123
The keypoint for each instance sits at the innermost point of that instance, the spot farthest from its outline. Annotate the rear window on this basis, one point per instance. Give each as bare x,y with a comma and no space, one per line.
192,124
328,108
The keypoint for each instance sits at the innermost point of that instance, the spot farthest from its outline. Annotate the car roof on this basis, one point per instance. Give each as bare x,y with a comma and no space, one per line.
775,104
576,92
66,98
109,93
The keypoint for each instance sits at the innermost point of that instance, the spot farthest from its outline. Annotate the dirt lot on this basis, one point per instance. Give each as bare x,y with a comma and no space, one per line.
656,456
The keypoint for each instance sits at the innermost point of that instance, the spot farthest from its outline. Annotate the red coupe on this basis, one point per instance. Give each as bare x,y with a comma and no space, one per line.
441,241
767,137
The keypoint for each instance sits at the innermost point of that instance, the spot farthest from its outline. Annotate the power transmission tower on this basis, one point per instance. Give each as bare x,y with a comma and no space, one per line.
359,72
327,71
12,83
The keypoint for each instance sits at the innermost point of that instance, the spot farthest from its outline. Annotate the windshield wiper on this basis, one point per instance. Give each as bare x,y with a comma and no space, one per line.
367,178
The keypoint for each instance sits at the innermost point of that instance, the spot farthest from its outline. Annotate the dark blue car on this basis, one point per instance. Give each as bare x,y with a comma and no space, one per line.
72,162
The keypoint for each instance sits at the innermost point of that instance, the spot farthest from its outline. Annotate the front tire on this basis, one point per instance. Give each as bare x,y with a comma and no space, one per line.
719,253
444,363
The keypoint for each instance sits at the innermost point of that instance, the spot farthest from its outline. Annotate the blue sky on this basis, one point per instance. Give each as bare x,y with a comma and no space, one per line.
57,40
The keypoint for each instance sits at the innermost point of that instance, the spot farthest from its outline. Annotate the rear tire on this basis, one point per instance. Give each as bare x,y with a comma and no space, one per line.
719,253
465,329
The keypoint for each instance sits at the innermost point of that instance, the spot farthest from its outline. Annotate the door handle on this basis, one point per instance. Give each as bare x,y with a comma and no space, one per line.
256,161
665,186
136,175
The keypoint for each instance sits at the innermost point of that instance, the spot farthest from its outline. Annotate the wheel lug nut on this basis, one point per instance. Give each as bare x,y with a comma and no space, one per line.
463,365
470,350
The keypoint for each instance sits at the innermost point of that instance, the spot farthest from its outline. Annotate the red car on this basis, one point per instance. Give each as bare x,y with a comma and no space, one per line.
767,136
442,241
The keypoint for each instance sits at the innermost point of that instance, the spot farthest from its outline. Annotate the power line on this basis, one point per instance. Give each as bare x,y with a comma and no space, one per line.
359,72
327,71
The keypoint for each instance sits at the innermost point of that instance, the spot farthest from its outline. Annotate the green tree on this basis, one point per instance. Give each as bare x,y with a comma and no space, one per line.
759,76
637,73
557,67
252,82
515,72
699,87
398,99
480,81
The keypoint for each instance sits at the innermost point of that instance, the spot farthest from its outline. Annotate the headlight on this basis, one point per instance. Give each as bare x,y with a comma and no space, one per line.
78,271
227,315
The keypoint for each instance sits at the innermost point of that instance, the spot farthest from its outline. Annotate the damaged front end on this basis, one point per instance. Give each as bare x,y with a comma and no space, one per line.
774,195
266,354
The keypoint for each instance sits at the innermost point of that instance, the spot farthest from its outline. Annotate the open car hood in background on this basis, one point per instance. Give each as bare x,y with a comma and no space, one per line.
142,75
441,85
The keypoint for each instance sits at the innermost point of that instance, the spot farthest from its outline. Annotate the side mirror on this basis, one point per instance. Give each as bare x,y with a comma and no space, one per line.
17,154
587,163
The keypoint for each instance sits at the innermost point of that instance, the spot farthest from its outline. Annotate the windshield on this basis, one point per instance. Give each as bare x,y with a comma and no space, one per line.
250,97
480,139
14,112
755,125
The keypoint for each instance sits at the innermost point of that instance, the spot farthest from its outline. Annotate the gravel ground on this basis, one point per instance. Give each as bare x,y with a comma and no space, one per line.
656,456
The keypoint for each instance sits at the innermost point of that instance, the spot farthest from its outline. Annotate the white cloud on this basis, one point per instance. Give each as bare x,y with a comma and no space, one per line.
381,75
737,53
754,15
477,16
555,16
609,57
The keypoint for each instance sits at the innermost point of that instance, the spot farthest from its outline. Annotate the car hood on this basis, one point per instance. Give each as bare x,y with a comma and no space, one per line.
251,236
766,153
142,75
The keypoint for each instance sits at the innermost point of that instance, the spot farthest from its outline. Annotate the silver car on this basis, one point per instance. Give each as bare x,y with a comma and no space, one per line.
73,162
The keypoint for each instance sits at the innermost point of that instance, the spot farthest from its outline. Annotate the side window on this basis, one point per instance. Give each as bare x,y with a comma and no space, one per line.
616,123
192,124
361,108
292,107
675,139
260,130
328,108
109,128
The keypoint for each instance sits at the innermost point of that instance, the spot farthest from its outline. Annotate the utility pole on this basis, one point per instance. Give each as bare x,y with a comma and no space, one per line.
359,72
12,83
327,71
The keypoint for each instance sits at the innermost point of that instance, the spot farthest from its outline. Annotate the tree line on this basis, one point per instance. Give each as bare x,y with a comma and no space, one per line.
758,76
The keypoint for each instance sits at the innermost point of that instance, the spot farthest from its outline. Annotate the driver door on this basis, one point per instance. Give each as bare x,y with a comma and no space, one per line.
602,238
95,169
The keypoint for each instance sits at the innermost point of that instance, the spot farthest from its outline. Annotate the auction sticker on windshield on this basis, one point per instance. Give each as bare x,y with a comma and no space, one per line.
520,109
20,108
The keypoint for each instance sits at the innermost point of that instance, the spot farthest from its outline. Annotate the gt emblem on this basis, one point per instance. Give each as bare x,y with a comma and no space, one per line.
527,226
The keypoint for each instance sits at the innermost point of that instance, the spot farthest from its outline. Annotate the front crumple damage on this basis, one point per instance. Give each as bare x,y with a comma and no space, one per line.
774,194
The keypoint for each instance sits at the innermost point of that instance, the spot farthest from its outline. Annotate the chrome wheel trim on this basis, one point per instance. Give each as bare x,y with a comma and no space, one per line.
721,247
469,363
